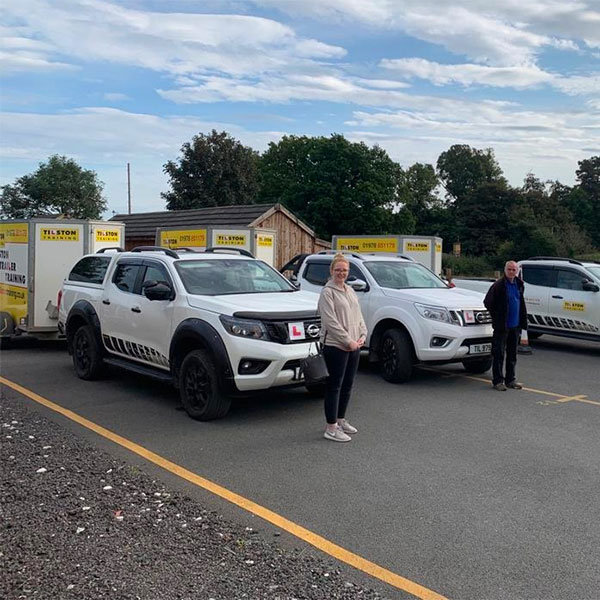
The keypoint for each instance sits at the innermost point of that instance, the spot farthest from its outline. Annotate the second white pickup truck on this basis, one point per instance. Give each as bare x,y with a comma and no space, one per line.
412,315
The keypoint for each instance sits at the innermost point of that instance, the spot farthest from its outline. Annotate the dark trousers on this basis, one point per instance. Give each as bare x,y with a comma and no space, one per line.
504,342
342,367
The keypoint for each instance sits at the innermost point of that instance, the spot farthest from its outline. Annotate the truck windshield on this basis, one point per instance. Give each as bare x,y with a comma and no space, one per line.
595,271
217,277
402,275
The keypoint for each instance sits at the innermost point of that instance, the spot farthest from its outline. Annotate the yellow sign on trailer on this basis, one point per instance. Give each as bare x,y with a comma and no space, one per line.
35,256
426,250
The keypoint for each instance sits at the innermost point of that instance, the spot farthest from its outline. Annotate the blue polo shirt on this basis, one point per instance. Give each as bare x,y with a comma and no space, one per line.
512,293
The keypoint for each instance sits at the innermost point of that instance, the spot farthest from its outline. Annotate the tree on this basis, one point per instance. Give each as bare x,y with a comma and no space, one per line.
58,187
418,191
540,224
588,175
483,218
463,169
213,170
337,186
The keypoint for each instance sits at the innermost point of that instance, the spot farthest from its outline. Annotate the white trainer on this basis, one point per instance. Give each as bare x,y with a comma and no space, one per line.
337,435
346,427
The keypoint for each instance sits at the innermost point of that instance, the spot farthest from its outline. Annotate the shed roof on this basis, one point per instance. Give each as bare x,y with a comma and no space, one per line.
145,224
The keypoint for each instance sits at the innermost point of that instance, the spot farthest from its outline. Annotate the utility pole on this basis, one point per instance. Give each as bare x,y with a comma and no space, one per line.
128,190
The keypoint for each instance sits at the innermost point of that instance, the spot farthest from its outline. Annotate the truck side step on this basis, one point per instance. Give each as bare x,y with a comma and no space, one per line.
140,369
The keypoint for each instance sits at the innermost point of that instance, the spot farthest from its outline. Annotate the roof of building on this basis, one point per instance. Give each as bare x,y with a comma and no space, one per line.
247,215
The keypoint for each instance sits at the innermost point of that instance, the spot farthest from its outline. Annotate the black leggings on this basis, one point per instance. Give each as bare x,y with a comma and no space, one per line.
342,366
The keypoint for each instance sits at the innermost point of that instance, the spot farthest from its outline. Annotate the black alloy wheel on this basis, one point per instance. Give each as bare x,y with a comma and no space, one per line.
396,356
199,388
87,355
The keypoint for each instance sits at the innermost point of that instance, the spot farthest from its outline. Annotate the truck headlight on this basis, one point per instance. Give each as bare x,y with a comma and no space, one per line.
435,313
244,328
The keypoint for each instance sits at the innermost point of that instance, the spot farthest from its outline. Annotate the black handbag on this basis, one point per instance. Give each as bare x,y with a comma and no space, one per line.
314,367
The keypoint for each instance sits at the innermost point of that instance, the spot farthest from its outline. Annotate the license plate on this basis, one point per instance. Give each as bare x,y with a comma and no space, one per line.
480,349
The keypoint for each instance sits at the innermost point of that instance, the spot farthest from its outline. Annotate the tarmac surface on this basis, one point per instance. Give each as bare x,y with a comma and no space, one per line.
76,523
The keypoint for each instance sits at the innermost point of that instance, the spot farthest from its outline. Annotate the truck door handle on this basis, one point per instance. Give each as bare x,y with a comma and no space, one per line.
136,309
558,297
105,301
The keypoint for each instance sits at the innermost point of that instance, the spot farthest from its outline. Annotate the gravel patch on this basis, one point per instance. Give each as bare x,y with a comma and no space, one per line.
76,523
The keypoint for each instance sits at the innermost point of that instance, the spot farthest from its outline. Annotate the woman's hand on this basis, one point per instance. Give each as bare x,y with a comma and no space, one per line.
353,346
361,341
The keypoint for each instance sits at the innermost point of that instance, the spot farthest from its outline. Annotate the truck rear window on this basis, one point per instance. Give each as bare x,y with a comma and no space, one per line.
90,269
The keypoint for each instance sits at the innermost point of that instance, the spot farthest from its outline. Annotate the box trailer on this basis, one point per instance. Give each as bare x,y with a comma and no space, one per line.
35,257
262,243
424,249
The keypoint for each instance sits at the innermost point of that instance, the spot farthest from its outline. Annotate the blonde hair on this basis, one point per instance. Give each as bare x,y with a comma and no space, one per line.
337,259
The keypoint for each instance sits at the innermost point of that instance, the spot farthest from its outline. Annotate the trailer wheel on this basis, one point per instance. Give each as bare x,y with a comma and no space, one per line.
7,329
397,356
87,355
199,388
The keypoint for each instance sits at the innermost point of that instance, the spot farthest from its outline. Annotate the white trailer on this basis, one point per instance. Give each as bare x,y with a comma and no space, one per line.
424,249
261,243
35,257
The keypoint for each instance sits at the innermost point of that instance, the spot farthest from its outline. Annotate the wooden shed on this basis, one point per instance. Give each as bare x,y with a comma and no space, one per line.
293,235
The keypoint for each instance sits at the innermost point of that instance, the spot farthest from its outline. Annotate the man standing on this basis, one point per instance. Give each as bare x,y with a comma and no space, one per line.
506,304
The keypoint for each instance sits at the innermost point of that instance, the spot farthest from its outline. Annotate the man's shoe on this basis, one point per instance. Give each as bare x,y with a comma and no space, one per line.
346,427
337,435
500,387
513,385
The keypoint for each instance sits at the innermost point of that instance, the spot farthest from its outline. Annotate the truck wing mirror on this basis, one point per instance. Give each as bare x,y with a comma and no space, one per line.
358,285
157,290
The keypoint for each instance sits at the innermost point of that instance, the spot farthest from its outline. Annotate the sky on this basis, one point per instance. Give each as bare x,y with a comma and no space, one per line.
130,81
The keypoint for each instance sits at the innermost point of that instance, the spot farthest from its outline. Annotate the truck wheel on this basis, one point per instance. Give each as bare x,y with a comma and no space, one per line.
396,356
87,355
477,365
199,388
317,390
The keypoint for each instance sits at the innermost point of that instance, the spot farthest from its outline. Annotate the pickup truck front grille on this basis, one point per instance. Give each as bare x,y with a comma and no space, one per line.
279,331
480,317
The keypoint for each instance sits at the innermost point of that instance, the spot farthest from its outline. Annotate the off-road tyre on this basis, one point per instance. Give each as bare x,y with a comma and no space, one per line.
199,388
397,357
477,365
87,354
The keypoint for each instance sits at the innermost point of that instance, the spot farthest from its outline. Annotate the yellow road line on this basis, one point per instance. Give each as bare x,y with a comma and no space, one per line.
308,536
561,397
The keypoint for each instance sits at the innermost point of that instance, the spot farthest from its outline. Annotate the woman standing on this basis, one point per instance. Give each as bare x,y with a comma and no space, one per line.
343,333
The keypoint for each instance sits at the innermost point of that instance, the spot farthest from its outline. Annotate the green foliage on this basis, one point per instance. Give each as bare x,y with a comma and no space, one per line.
467,266
586,207
335,185
213,170
463,170
58,187
484,218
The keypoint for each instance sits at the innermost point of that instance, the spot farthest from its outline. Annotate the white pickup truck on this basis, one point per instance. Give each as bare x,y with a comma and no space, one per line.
213,324
411,314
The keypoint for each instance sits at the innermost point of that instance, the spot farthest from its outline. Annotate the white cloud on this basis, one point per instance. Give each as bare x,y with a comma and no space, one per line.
504,33
517,77
468,74
115,96
174,43
105,140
